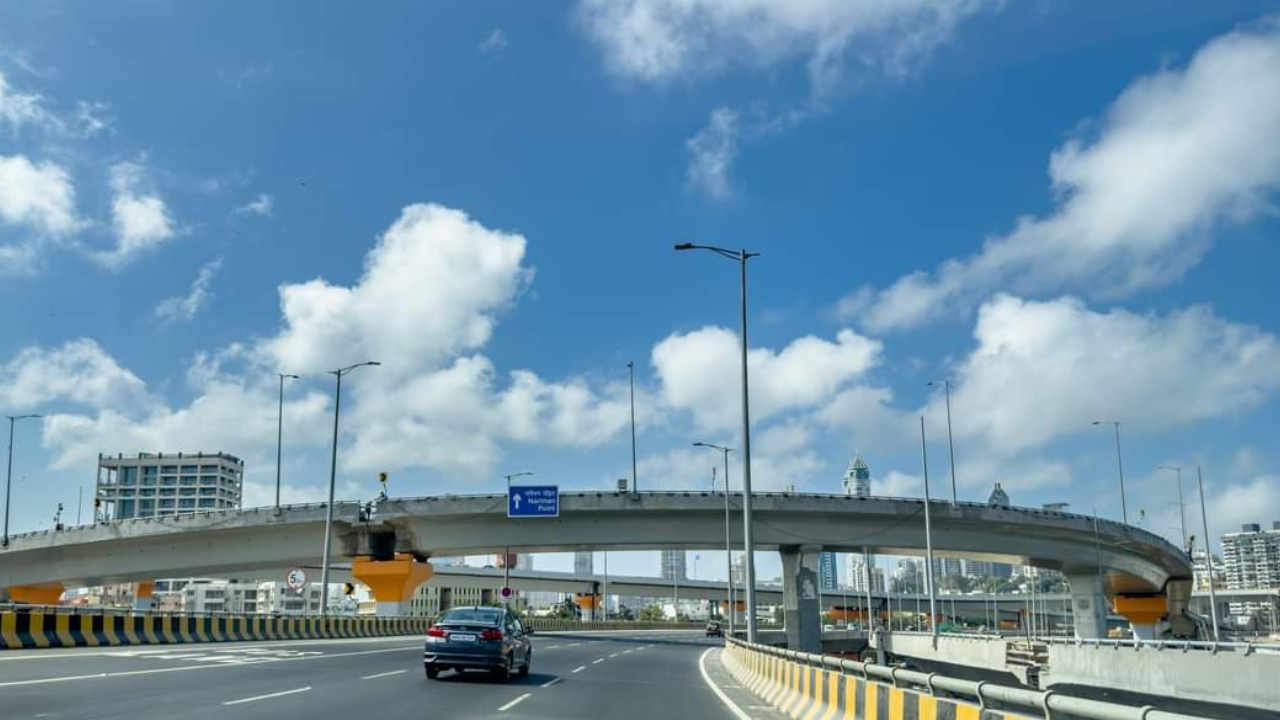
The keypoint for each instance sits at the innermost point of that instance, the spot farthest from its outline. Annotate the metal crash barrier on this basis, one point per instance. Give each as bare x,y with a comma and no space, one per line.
804,685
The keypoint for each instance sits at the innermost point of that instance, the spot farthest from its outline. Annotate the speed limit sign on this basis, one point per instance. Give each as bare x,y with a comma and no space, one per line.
295,580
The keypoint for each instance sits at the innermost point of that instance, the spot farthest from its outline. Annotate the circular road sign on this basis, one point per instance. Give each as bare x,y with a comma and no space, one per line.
295,580
506,591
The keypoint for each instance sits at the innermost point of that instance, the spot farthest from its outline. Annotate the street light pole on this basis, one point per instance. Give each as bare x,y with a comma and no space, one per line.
333,480
1208,557
631,373
280,435
1182,508
728,547
946,384
1124,506
506,553
928,541
748,544
8,480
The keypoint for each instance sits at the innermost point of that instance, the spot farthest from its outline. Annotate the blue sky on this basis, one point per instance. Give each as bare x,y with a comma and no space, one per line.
1067,208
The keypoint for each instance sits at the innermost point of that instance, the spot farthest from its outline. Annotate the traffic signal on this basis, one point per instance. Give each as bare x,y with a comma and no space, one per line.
348,588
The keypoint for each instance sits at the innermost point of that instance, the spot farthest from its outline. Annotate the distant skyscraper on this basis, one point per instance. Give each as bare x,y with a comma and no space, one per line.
907,570
584,563
827,574
977,568
673,565
999,498
857,479
524,561
857,571
1252,560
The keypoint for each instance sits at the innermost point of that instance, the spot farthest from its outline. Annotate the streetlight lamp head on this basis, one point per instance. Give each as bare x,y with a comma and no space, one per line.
685,246
371,362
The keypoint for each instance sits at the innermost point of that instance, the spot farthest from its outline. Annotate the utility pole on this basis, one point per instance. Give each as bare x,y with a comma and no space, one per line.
631,373
1208,556
928,541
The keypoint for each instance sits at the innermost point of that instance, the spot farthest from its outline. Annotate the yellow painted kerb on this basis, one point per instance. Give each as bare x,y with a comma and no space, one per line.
391,580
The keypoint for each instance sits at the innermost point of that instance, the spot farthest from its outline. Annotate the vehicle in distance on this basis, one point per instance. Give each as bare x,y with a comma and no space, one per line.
714,630
478,638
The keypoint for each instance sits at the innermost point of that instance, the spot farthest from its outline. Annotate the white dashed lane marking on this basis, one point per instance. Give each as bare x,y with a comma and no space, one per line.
268,696
550,682
580,668
513,703
597,661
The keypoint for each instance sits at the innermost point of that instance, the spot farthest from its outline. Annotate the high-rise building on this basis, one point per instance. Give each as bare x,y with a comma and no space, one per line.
946,567
1251,557
524,561
857,479
739,569
907,570
856,569
828,576
673,565
584,563
1200,571
977,568
161,485
999,498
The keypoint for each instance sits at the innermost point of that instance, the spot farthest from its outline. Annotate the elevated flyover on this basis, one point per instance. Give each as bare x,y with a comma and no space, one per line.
1100,558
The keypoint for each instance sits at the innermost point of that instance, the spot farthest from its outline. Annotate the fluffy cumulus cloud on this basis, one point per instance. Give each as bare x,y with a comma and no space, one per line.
139,216
18,108
699,373
1179,154
184,308
39,201
1044,369
430,290
428,299
658,40
261,206
78,372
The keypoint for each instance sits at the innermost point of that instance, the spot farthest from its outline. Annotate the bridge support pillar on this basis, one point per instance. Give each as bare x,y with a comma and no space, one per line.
800,598
1143,611
142,592
43,594
1088,605
392,582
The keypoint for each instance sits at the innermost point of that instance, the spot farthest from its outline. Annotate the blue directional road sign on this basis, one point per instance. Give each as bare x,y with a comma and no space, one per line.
533,501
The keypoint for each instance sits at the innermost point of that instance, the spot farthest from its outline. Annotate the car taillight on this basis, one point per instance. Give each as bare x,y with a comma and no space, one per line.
435,631
491,635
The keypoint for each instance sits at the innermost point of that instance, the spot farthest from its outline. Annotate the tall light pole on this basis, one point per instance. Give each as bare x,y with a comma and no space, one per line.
728,547
928,541
631,373
280,435
8,480
333,480
1124,506
1182,509
748,546
950,444
506,553
1208,557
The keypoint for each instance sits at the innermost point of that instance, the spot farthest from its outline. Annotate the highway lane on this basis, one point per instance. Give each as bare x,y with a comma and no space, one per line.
589,675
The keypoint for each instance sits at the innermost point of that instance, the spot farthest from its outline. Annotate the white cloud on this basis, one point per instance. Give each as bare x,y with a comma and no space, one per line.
430,290
1179,154
247,75
38,197
77,372
658,40
1043,369
140,217
711,154
699,372
494,43
263,206
19,109
90,119
184,308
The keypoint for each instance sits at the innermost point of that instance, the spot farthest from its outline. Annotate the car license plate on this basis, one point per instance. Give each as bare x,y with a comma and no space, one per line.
462,637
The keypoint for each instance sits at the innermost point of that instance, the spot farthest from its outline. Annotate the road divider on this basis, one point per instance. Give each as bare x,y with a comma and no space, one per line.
49,627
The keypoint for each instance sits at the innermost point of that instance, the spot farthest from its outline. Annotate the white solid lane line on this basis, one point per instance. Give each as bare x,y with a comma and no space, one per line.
580,668
551,682
266,697
549,647
733,706
513,703
381,675
597,661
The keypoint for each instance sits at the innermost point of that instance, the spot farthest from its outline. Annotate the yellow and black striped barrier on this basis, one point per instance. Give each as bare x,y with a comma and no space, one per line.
43,628
807,691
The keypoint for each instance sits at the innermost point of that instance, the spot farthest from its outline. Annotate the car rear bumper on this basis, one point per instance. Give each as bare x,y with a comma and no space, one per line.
463,660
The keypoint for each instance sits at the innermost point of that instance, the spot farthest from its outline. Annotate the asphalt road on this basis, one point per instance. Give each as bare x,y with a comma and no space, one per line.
591,676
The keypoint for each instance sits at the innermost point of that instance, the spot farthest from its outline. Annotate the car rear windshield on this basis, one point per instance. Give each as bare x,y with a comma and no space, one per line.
486,617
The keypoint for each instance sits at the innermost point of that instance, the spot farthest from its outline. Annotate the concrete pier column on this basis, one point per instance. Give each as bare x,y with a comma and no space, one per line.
142,592
1088,605
392,582
800,598
1144,613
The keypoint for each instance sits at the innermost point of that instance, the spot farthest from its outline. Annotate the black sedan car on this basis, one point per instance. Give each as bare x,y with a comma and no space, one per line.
478,638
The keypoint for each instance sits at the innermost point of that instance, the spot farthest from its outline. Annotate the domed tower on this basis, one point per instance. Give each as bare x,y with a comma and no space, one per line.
857,479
